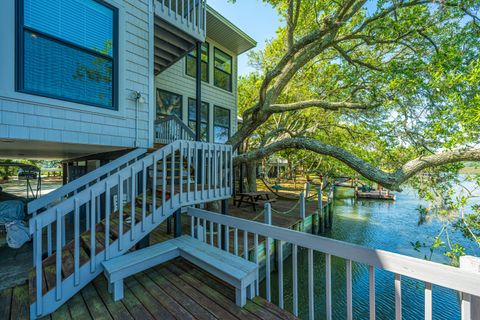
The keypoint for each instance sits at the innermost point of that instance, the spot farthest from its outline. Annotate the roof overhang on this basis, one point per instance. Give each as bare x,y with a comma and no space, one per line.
222,31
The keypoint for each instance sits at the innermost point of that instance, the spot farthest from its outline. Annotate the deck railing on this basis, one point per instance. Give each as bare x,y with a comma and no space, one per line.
172,128
148,191
205,225
79,184
189,16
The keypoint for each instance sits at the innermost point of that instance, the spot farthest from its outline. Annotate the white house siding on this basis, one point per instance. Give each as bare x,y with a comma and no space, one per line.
35,118
175,80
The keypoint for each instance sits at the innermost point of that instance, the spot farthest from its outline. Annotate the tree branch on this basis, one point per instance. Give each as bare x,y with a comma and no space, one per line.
390,180
277,108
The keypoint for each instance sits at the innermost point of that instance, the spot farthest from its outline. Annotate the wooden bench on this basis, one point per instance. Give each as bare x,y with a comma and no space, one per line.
234,270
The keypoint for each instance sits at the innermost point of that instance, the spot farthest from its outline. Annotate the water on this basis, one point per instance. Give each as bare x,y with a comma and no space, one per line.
383,225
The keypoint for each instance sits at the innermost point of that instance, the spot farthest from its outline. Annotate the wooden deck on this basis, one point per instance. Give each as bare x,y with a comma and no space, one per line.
174,290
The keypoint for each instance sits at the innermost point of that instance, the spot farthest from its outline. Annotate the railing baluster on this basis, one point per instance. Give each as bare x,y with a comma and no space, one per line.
204,237
49,240
120,212
295,279
398,297
189,165
144,195
203,170
221,189
227,238
181,172
164,182
268,220
255,259
58,260
349,289
192,226
428,301
154,188
235,241
280,272
211,232
310,285
132,206
38,266
92,232
76,237
172,176
328,286
466,306
371,291
107,221
245,244
219,236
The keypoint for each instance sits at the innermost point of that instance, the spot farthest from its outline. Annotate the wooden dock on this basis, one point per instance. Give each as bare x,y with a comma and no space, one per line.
174,290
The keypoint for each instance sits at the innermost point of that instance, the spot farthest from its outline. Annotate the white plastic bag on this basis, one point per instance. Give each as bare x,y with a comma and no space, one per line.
17,234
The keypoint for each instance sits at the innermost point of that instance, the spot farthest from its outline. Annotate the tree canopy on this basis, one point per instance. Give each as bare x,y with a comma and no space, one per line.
387,88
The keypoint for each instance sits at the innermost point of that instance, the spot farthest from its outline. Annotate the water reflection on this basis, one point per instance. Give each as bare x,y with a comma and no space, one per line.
378,224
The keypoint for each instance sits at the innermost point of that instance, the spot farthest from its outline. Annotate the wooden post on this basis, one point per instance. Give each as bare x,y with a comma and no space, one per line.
307,189
470,304
225,233
302,206
177,223
320,200
268,220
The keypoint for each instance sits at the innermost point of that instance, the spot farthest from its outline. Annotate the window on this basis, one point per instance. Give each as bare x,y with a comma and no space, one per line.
191,62
192,118
68,50
221,124
169,103
222,76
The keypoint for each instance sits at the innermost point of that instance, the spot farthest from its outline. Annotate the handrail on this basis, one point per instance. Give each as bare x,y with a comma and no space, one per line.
181,182
178,121
83,181
429,272
171,128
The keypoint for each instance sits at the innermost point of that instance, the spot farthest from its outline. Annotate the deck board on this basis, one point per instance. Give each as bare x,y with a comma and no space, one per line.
173,290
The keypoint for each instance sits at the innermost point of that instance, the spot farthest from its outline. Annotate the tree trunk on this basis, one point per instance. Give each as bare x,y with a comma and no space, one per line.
251,176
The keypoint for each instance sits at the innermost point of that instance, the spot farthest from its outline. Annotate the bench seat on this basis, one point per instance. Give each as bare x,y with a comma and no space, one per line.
236,271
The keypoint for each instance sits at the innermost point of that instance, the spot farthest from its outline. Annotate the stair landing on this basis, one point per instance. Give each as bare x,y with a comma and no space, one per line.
173,290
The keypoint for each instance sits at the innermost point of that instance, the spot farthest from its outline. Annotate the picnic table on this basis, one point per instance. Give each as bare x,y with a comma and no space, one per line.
253,198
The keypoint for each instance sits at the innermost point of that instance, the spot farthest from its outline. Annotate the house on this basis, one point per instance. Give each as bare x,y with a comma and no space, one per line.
107,84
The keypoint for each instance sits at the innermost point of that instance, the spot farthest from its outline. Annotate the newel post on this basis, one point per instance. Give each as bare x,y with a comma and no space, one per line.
470,304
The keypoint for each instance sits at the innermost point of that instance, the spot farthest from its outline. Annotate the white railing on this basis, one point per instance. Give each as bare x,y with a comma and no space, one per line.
170,129
82,182
189,16
109,217
465,282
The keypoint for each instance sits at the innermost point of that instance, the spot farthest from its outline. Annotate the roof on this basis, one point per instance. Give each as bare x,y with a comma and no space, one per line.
227,34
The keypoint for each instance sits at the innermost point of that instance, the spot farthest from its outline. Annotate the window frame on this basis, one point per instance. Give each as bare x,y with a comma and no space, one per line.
190,55
229,127
207,121
20,30
220,70
164,114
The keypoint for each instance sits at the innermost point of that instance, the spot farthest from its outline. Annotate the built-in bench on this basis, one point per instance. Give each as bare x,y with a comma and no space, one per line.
236,271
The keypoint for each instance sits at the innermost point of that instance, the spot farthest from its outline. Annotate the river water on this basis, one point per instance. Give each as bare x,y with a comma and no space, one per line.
383,225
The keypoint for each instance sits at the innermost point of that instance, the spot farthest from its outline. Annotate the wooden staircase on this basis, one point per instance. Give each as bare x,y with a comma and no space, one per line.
108,218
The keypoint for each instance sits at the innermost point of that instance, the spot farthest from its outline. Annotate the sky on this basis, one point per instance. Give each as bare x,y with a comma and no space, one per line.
255,18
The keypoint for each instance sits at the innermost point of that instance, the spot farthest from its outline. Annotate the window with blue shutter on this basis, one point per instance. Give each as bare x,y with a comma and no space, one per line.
67,50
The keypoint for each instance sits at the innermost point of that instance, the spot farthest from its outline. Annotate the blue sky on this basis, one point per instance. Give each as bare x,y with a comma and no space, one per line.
258,20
